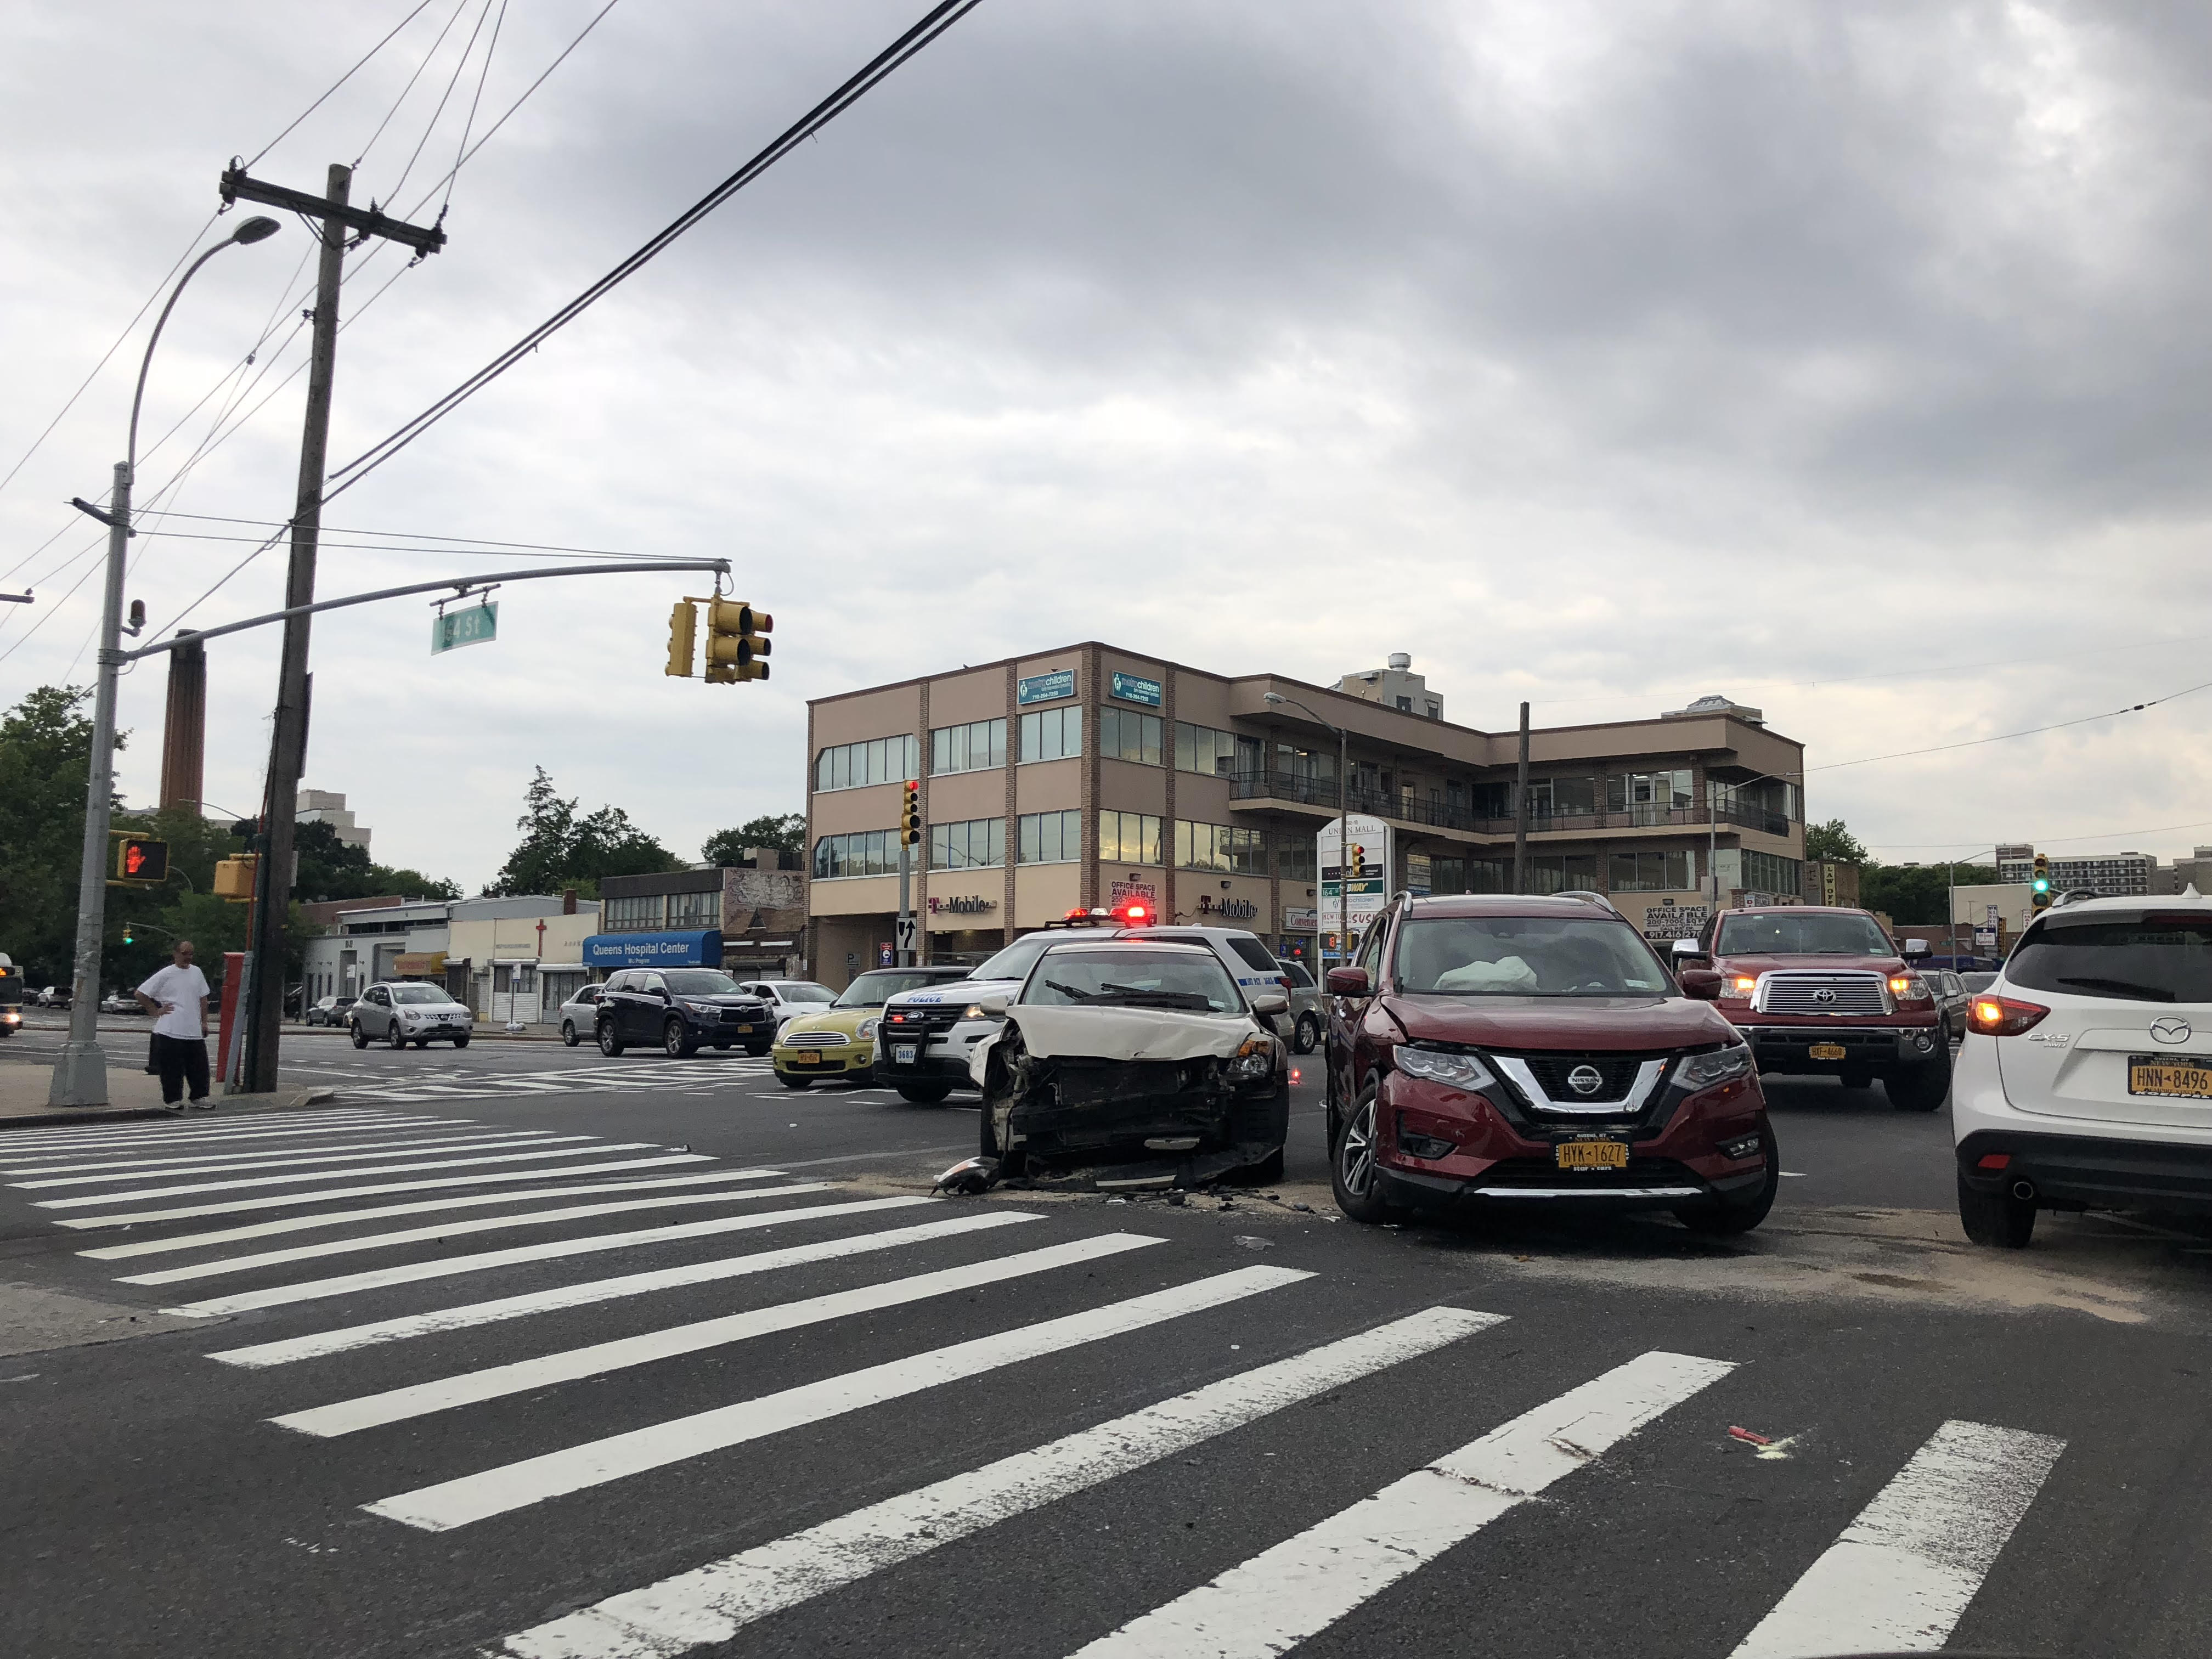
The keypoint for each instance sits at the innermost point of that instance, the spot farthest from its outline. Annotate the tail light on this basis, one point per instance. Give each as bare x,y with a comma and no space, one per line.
2005,1016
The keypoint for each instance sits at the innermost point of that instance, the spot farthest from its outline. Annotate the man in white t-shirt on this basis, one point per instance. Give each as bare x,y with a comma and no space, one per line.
177,997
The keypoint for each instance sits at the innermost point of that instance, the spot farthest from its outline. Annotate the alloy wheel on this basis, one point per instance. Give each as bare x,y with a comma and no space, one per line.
1355,1152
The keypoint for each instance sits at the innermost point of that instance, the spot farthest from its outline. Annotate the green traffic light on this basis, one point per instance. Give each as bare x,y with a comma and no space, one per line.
2042,886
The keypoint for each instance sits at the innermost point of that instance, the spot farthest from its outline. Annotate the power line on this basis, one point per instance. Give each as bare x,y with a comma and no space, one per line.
336,84
2003,737
939,18
445,97
468,125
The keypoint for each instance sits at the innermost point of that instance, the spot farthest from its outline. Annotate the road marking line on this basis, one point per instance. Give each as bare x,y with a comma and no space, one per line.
444,1230
239,1205
248,1156
1902,1573
494,1382
450,1504
278,1296
1282,1596
265,1160
320,1343
423,1206
82,1140
142,1193
712,1603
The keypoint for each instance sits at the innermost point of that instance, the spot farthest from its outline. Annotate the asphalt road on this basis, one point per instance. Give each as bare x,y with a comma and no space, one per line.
523,1351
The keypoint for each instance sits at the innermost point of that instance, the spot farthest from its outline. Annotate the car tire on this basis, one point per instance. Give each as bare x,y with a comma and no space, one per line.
791,1082
757,1050
1997,1219
360,1036
568,1033
1925,1087
460,1043
610,1044
1352,1176
923,1094
675,1042
1856,1079
1305,1035
1726,1218
395,1038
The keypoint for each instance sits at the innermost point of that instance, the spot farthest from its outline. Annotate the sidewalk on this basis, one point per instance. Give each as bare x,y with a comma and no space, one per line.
132,1094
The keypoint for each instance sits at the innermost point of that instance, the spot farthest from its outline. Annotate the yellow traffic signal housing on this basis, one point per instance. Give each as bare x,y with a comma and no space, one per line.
233,878
139,859
735,649
1358,861
910,815
2039,888
683,639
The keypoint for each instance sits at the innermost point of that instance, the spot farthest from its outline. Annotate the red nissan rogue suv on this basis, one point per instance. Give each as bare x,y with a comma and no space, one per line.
1497,1051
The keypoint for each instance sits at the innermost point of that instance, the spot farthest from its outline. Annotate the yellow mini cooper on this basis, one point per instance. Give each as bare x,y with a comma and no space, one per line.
840,1040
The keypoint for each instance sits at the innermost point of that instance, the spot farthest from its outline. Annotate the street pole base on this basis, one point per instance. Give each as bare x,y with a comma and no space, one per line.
80,1076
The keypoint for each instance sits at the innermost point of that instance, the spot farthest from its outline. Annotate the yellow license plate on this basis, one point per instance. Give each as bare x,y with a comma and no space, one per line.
2187,1079
806,1059
1827,1051
1592,1154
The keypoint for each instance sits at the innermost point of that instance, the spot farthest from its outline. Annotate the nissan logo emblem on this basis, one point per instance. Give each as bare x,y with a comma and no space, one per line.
1824,995
1585,1080
2170,1030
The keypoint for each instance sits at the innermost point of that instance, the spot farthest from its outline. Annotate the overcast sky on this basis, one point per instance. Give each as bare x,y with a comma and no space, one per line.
1848,359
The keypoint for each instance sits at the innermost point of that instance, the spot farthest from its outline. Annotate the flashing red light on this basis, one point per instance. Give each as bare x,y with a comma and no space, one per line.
1296,1076
1134,914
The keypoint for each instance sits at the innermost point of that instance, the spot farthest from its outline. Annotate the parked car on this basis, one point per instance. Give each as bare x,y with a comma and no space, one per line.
682,1010
1138,1050
55,996
329,1011
121,1002
929,1037
1498,1052
1822,991
2085,1080
579,1014
839,1040
404,1011
787,998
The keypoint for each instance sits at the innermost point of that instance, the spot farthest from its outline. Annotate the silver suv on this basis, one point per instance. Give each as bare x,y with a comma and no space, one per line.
404,1011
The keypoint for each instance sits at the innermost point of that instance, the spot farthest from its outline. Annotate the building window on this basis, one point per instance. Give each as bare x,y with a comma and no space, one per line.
857,765
1203,749
1572,872
1313,765
1294,860
974,747
1050,837
866,853
1052,733
640,915
1220,847
1651,872
1644,794
1124,734
1128,838
694,912
1768,873
971,844
1451,874
1550,797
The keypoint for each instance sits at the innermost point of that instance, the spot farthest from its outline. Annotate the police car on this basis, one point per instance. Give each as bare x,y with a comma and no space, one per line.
924,1038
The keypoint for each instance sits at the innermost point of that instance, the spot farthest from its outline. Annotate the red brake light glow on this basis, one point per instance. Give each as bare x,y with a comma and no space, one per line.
2005,1016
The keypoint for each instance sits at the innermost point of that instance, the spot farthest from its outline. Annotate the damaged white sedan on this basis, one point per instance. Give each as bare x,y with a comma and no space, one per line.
1142,1062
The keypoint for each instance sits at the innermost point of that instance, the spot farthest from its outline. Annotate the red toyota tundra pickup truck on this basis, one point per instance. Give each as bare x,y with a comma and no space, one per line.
1824,992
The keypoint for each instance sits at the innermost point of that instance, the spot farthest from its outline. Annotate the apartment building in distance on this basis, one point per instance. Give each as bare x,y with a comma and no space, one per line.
1092,774
2108,875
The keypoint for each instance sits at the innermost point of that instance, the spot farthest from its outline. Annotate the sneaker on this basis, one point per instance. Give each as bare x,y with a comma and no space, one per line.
174,1107
204,1104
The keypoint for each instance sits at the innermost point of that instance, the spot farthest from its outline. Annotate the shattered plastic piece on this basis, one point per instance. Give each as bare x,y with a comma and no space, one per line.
1251,1241
970,1177
1735,1433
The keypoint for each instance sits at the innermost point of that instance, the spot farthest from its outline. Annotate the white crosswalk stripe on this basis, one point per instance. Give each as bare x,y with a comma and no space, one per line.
610,1076
262,1161
305,1145
241,1129
414,1167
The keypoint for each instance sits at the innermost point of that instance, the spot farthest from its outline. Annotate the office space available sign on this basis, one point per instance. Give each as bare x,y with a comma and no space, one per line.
654,950
1045,688
1130,688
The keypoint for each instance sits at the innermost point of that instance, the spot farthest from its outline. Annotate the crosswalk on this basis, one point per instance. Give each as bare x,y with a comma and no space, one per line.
603,1077
378,1273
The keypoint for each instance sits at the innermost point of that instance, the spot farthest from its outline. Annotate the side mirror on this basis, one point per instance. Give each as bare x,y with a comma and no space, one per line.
1347,982
993,1005
1688,949
664,995
1702,983
1267,1004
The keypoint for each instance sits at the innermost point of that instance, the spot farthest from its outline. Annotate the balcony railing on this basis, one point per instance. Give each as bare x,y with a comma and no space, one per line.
1321,793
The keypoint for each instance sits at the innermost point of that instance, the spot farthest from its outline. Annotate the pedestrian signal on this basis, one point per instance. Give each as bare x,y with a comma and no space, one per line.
735,650
234,879
138,860
910,815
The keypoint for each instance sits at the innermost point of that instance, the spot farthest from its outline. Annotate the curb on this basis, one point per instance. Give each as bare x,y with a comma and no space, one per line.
288,1100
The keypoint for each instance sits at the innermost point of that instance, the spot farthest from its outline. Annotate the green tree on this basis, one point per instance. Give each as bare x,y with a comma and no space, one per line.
560,848
1917,895
784,831
1832,844
45,749
333,869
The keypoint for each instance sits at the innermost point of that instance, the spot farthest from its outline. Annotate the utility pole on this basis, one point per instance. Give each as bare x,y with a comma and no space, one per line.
287,745
1521,811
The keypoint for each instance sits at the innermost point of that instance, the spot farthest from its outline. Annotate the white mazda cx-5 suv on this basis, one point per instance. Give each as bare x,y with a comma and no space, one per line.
2086,1079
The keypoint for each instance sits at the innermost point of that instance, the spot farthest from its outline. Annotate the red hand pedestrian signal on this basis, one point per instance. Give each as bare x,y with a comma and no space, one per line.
140,860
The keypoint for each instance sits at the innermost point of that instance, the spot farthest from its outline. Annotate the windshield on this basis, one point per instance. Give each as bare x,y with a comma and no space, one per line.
2151,959
1295,973
699,981
1527,956
793,990
419,994
11,989
873,990
1192,981
1015,960
1815,934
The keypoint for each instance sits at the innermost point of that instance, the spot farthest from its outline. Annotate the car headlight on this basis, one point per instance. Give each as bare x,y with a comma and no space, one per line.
1255,1059
977,1011
867,1029
1461,1071
1908,988
1704,1071
710,1009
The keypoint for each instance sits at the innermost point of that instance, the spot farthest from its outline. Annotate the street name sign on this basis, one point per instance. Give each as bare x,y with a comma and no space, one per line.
477,625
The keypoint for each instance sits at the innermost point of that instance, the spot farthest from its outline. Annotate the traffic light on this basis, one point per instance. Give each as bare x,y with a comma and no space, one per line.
138,860
233,878
909,812
2040,886
126,933
1358,861
683,639
735,648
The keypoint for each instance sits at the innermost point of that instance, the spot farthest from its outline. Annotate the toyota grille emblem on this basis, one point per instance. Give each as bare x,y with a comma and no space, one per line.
2170,1030
1585,1080
1824,994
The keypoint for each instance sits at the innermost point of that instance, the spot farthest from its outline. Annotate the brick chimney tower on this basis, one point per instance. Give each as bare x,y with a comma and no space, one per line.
184,731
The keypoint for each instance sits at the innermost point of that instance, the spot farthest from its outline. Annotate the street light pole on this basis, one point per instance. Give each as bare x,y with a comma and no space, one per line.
80,1075
1343,836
